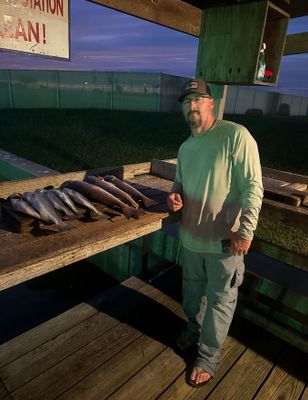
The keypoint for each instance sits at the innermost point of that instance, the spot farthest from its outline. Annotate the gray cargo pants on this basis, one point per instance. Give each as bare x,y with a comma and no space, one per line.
210,289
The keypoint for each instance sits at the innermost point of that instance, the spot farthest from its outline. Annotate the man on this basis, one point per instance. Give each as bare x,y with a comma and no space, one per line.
219,188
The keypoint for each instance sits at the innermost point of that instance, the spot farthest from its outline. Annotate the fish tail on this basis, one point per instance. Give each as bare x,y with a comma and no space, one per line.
131,212
65,227
71,217
103,215
95,214
134,204
149,202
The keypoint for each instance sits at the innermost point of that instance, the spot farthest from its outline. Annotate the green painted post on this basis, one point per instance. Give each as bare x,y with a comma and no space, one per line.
10,89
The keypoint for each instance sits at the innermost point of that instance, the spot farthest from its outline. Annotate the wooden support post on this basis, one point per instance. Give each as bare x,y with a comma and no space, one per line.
222,103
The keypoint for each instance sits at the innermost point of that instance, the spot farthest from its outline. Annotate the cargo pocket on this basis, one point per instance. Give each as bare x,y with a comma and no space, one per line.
238,276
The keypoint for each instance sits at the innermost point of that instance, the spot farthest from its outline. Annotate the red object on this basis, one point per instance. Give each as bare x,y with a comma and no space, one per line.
268,73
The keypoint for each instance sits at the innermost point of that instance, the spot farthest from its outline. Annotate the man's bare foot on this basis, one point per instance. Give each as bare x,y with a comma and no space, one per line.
199,377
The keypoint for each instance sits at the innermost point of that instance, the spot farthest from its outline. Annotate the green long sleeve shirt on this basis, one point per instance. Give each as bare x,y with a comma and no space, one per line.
219,177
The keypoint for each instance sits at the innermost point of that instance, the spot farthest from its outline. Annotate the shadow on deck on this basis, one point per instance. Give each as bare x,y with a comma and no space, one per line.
120,345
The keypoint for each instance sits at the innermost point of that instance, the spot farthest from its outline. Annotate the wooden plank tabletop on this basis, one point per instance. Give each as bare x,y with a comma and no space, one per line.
124,348
24,255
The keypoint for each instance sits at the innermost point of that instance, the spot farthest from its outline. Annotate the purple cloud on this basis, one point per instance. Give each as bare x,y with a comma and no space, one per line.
106,40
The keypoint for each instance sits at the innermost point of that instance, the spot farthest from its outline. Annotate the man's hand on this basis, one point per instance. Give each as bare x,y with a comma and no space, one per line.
239,246
174,201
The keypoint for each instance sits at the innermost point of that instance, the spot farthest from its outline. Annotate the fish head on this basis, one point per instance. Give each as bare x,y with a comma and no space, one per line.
109,177
91,178
28,194
64,184
15,195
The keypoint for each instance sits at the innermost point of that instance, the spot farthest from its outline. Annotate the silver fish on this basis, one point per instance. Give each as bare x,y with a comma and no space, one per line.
66,199
58,204
78,198
130,190
102,196
20,205
40,203
111,188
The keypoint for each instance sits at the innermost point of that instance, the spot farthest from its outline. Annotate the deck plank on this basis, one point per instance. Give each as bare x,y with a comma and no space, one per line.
283,385
250,371
305,394
4,395
126,349
179,390
21,345
102,382
153,378
63,345
49,354
235,345
54,381
132,323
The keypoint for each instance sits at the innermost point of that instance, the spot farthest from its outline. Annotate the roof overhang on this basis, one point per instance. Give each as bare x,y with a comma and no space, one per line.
185,16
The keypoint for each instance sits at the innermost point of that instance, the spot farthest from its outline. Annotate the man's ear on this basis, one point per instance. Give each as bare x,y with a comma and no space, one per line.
212,103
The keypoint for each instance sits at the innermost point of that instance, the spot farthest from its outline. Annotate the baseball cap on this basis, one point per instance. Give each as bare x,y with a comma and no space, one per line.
195,86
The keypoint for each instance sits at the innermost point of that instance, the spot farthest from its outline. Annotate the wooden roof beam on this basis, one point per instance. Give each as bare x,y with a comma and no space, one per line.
298,8
174,14
184,17
296,44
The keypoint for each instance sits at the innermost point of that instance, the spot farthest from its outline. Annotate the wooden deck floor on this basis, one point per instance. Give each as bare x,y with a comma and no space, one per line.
120,345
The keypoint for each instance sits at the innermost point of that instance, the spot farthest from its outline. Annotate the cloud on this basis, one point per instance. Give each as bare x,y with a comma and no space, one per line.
106,40
297,25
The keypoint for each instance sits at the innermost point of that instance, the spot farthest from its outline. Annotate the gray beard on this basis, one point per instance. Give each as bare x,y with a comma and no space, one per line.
194,124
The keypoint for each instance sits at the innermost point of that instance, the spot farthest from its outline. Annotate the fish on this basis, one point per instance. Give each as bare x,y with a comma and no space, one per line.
58,204
126,187
78,198
100,195
39,201
66,200
111,188
20,205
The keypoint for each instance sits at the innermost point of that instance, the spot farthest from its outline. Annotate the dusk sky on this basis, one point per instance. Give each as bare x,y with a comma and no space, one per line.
106,40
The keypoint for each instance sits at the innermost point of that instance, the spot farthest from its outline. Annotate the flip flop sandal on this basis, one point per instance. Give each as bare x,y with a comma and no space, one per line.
197,385
193,383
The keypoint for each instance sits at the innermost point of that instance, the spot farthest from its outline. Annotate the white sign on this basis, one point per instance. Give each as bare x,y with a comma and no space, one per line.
35,26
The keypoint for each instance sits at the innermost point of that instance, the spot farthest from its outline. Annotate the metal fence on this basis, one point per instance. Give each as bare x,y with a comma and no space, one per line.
128,91
78,89
241,100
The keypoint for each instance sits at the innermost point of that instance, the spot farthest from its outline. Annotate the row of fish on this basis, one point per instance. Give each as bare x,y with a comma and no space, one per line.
44,204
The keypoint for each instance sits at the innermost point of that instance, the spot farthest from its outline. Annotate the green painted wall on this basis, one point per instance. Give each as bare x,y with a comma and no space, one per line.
137,256
9,172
